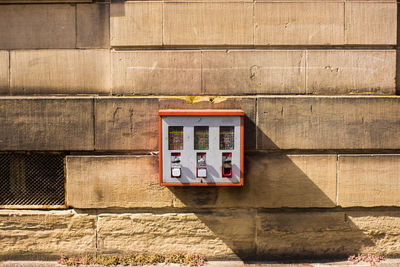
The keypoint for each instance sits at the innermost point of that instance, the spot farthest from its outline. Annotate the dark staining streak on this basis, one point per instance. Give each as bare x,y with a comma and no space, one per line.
253,71
131,119
115,115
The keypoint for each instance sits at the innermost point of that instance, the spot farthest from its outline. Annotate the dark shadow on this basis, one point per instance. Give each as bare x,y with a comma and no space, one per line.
398,53
117,8
285,210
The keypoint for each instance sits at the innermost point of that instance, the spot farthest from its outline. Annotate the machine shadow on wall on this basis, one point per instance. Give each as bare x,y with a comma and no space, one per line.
278,213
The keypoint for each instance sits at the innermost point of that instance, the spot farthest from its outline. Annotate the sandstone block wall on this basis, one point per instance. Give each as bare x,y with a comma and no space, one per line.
317,81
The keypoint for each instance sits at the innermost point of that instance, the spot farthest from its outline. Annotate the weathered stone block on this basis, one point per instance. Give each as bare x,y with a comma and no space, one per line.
301,122
136,23
37,26
217,235
369,180
115,182
46,124
46,234
351,71
271,181
131,123
126,123
371,23
156,72
253,71
4,70
60,72
299,23
93,25
208,23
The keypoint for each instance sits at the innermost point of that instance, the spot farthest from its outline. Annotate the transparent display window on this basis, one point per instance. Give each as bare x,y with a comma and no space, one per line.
201,137
226,137
175,137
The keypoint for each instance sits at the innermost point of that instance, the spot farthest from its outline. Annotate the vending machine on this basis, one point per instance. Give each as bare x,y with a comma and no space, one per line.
201,147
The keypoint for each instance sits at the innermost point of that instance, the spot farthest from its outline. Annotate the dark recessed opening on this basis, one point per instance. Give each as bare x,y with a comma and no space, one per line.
32,179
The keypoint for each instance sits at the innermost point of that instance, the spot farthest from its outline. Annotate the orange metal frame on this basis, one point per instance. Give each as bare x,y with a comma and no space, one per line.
203,112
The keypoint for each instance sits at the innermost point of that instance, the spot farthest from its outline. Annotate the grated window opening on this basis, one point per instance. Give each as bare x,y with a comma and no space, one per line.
32,179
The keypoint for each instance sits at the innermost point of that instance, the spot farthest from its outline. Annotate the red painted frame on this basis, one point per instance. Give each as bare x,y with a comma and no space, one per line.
202,112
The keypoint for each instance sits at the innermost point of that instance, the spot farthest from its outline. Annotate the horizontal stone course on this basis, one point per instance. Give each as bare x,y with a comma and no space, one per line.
204,23
199,72
131,123
196,23
216,234
271,181
246,72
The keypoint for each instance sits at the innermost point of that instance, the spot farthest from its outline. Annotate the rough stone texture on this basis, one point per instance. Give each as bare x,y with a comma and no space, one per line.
228,234
93,25
115,181
136,23
369,180
60,72
271,181
131,123
37,26
371,23
156,72
380,227
4,70
351,71
46,234
218,235
46,124
323,234
208,23
301,122
253,72
297,23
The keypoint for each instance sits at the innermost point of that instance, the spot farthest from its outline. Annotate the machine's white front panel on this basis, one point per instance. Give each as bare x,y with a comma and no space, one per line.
190,174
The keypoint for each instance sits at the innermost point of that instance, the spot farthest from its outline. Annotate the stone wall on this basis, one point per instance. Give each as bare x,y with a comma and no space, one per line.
317,80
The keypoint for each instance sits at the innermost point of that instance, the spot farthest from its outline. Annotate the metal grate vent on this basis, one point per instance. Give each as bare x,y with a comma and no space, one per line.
32,179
